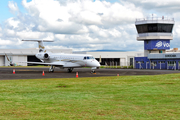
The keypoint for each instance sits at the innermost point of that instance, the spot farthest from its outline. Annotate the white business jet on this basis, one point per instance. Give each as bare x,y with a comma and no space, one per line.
61,60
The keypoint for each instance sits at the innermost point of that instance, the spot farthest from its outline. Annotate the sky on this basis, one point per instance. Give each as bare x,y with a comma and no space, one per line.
81,25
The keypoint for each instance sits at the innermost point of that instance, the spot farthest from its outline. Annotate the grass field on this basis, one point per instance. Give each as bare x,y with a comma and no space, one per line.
123,97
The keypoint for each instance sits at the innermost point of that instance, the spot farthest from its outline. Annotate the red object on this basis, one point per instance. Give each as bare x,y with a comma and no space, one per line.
117,74
77,75
13,71
43,73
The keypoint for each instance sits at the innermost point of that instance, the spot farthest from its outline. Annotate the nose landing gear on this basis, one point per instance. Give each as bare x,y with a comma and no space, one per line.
70,70
93,70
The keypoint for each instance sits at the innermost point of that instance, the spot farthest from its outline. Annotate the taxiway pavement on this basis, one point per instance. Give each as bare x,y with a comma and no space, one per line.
6,73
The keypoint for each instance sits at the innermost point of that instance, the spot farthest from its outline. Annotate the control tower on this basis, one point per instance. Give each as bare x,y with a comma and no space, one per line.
156,34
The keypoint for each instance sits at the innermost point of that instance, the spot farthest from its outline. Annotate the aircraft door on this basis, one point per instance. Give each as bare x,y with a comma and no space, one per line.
85,61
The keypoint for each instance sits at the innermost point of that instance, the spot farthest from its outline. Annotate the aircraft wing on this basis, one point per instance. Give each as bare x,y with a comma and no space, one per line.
59,63
42,63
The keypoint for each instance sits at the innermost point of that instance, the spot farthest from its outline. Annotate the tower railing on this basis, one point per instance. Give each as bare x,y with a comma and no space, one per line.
155,18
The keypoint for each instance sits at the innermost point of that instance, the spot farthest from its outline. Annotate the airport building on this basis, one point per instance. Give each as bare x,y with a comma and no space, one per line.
156,34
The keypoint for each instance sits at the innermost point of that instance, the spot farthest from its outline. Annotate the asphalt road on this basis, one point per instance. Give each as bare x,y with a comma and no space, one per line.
6,73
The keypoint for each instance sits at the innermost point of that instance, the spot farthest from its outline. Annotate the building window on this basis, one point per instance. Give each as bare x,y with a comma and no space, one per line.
131,61
154,63
160,51
142,62
171,63
161,62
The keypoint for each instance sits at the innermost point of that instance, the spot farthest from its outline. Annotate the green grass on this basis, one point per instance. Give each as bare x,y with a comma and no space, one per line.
123,97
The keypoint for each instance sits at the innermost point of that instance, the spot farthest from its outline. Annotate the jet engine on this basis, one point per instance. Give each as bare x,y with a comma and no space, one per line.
46,56
43,56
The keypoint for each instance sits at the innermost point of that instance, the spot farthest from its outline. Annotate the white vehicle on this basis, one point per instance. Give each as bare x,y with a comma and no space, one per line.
61,60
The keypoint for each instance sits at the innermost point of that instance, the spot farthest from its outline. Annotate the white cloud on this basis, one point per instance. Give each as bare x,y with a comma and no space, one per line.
11,22
87,18
0,31
115,33
5,42
74,15
34,35
161,6
84,24
13,7
10,32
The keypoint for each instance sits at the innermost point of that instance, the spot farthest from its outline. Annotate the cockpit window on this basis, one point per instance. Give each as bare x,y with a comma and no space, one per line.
91,57
88,57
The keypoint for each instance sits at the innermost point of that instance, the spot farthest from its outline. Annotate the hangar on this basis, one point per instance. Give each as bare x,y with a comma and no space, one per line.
109,58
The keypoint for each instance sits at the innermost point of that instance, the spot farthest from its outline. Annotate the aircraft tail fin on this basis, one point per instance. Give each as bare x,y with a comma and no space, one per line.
40,44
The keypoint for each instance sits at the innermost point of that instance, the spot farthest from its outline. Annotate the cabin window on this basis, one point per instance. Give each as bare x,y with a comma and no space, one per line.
84,58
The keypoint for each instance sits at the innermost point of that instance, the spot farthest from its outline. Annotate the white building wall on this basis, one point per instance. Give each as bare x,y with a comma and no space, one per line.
22,58
113,54
123,56
154,51
123,62
2,62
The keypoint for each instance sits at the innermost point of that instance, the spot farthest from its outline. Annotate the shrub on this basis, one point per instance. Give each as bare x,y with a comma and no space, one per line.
130,67
125,67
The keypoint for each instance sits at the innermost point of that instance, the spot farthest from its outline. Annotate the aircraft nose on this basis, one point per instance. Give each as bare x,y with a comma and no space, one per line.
98,64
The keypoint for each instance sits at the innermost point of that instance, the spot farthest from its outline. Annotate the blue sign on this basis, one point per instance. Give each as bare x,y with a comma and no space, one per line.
156,44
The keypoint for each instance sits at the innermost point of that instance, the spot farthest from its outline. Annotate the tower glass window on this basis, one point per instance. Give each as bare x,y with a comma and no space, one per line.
148,28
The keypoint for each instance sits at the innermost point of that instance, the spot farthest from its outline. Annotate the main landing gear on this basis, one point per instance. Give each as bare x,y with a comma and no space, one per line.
70,70
93,70
51,69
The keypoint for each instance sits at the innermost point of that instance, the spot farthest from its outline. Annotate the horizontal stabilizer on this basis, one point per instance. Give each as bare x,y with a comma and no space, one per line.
39,40
40,44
